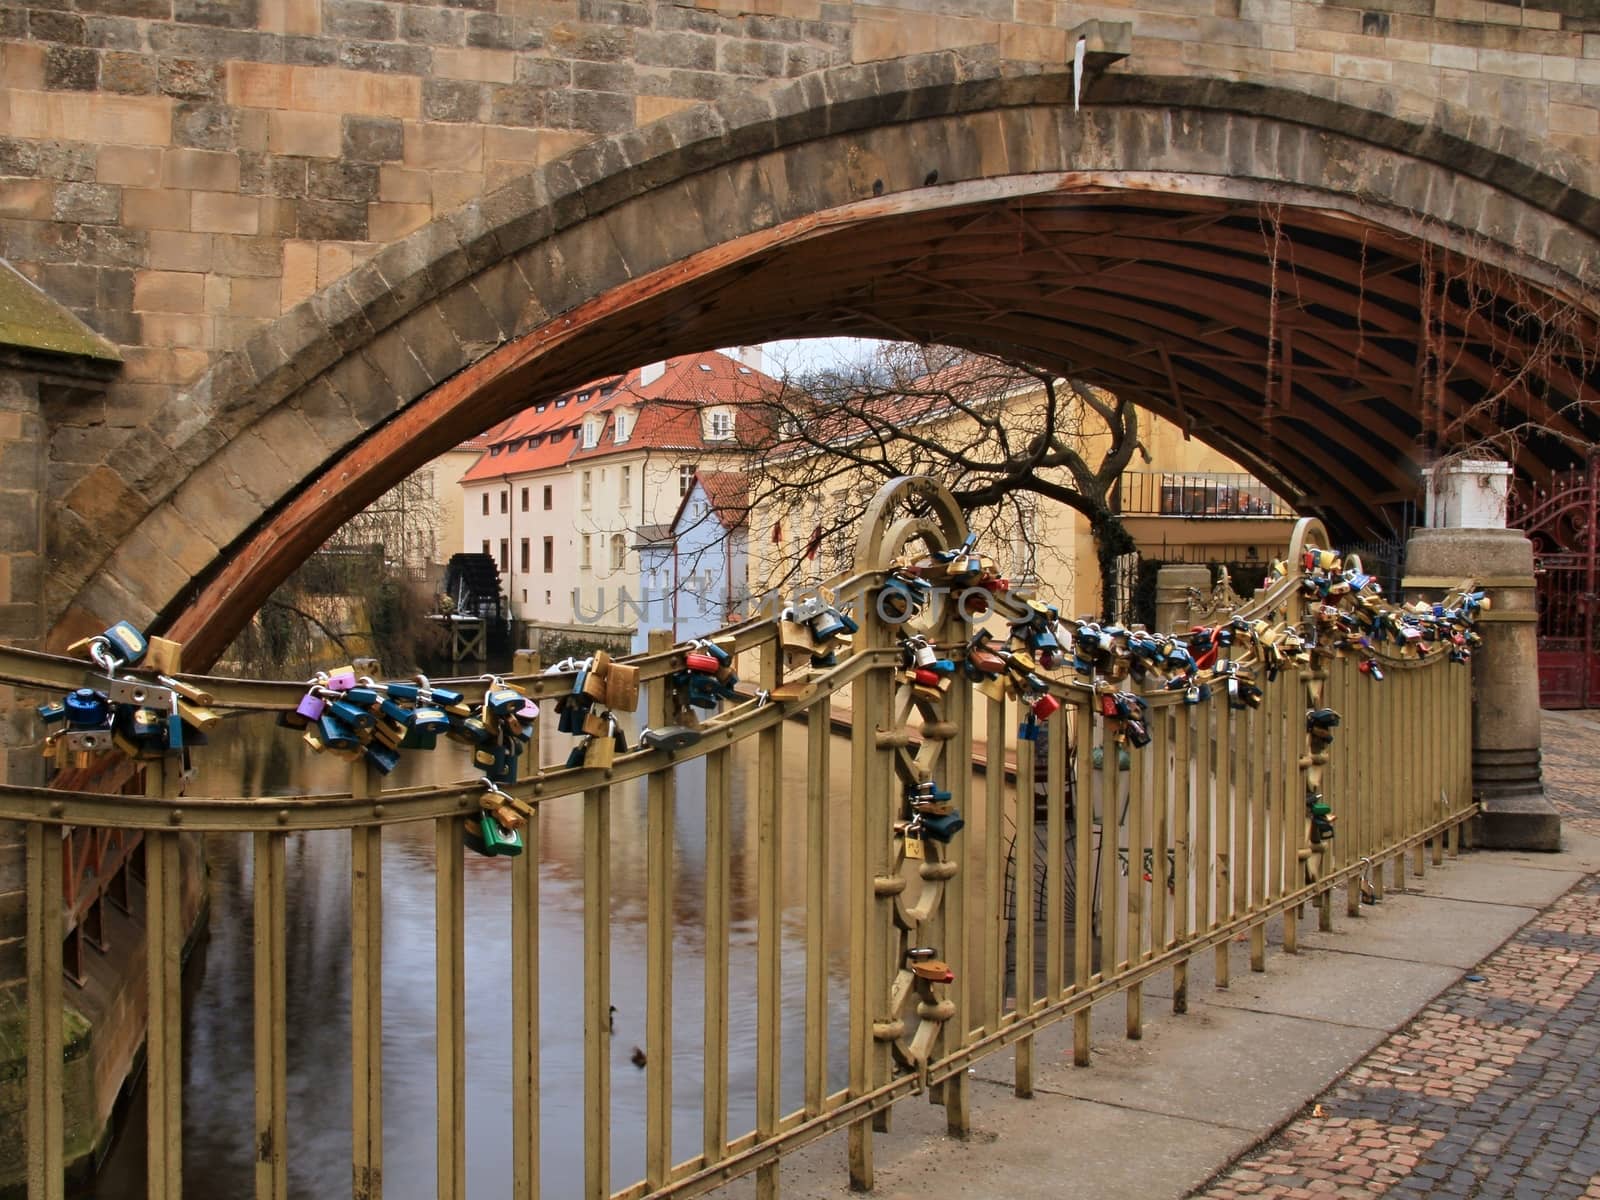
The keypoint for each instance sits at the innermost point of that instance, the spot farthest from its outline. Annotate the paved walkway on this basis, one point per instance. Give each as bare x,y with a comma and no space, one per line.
1494,1089
1441,1046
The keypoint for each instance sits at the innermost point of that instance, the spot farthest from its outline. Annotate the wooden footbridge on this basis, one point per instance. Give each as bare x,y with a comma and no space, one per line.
1318,743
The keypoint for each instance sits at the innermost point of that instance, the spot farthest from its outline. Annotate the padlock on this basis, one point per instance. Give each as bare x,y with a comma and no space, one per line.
622,687
600,751
701,663
1321,718
1045,706
922,654
352,715
126,643
385,758
829,624
86,709
597,724
335,734
941,827
310,708
52,713
932,969
911,839
669,737
594,680
341,679
141,732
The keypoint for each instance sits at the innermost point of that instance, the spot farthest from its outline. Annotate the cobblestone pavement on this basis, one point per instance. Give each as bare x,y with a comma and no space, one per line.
1494,1089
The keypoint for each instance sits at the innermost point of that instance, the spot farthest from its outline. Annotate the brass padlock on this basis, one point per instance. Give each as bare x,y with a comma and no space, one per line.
622,687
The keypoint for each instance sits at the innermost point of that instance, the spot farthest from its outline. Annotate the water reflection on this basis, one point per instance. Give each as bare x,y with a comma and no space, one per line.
254,756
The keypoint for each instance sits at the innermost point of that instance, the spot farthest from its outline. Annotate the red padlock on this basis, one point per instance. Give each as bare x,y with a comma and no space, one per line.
1046,705
1108,705
925,677
699,660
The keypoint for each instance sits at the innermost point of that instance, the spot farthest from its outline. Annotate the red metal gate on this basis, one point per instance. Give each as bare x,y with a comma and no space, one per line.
1562,523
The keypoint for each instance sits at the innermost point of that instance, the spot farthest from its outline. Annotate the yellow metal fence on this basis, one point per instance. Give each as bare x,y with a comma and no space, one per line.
1201,839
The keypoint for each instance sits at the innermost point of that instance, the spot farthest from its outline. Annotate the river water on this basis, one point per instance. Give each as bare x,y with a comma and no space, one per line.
253,756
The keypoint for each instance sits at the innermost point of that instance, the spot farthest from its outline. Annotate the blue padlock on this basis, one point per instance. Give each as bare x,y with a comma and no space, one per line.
86,709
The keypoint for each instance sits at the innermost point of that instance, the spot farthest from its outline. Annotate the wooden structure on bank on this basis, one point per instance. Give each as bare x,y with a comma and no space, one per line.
1218,792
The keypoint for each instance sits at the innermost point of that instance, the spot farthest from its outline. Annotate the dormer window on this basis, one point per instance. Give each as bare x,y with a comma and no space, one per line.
720,427
591,434
621,428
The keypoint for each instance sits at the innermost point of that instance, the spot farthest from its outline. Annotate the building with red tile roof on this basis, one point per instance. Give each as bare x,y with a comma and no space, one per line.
567,489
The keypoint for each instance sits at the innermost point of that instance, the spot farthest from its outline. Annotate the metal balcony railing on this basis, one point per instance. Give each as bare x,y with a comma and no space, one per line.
1199,494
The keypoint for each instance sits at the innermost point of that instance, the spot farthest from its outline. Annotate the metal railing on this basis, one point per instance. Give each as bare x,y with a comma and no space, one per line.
1213,808
1198,494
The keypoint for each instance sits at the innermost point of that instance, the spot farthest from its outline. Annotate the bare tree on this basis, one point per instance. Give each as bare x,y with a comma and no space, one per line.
1002,435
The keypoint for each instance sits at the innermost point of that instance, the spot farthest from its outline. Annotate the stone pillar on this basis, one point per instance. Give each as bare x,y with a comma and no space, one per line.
23,442
1506,732
1174,584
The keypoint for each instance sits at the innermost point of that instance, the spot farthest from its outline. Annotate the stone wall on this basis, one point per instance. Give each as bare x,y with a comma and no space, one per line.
181,172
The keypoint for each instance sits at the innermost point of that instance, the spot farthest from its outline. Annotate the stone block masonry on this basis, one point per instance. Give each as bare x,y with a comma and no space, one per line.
179,173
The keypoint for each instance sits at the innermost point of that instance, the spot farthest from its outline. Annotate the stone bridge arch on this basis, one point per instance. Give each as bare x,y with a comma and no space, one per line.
783,215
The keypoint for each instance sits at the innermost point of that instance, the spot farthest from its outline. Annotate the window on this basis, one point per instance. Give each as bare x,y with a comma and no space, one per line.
586,559
547,597
621,428
626,486
524,499
486,504
619,551
523,558
486,540
591,434
721,426
549,555
586,487
505,500
505,555
685,478
549,497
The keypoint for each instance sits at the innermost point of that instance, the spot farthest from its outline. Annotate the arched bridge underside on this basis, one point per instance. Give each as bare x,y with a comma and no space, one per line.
1323,292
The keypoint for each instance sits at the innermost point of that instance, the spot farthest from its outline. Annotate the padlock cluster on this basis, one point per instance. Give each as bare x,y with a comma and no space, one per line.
1003,672
1354,618
924,669
1320,724
496,832
933,816
601,688
1124,713
970,576
145,719
359,719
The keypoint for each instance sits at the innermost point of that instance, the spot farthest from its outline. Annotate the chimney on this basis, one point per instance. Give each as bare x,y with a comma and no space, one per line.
751,356
651,372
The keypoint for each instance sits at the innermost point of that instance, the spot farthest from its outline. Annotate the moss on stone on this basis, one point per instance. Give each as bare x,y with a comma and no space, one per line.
30,320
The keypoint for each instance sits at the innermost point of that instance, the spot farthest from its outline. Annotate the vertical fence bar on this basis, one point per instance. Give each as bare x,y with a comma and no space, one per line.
769,933
366,999
661,828
1110,786
1161,768
164,1039
1204,888
450,1012
994,881
46,1050
525,1014
868,857
1261,738
1289,744
1082,724
719,824
1136,871
1391,769
597,993
1182,799
958,933
1415,755
525,1009
271,1018
1055,832
1022,909
1246,828
1224,837
1437,709
818,746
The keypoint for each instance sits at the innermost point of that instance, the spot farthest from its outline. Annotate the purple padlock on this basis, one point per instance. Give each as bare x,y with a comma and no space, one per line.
343,680
528,711
311,706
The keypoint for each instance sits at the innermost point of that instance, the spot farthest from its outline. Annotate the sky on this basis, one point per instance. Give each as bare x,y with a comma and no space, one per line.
804,356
